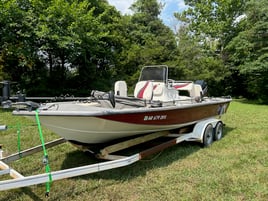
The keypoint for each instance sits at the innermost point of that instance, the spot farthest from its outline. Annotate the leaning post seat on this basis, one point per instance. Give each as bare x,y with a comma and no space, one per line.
144,90
162,92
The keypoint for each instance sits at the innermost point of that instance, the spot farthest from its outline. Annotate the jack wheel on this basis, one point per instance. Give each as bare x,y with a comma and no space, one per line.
208,135
218,131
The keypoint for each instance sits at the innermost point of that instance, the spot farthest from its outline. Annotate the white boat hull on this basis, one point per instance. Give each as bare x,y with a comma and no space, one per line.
95,130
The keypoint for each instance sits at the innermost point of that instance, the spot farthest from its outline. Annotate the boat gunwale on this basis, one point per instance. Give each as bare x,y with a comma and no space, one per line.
115,111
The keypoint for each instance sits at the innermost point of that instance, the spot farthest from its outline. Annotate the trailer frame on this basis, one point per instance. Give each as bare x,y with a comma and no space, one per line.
201,132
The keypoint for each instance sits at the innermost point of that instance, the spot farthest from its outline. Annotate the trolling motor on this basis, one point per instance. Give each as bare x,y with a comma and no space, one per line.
5,90
6,99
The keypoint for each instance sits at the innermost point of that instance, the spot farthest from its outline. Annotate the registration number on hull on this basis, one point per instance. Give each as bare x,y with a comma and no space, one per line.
155,117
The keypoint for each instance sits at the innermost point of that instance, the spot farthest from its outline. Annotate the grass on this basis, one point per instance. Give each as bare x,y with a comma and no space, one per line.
234,168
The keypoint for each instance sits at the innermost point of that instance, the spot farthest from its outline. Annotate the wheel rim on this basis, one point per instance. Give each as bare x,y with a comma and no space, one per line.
208,135
218,131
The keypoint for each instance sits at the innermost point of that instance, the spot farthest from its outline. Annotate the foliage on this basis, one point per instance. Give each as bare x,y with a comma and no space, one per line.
208,26
196,63
213,19
17,39
233,37
57,47
146,41
248,50
57,37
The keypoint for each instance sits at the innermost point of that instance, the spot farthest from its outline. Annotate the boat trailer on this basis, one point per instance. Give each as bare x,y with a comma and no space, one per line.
205,132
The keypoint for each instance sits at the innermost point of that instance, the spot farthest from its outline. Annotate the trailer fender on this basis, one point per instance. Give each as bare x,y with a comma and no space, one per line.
200,128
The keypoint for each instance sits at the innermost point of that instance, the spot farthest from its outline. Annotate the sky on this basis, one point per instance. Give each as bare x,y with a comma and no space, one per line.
170,7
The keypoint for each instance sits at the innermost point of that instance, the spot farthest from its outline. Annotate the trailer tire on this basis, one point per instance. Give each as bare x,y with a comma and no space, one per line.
218,131
208,136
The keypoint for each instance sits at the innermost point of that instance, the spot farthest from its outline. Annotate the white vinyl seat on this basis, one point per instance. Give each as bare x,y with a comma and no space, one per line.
144,90
120,88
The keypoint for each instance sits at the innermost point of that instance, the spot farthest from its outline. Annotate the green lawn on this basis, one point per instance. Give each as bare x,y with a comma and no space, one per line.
234,168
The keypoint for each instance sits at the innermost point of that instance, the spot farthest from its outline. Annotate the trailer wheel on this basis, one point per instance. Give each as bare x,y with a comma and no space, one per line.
218,131
208,135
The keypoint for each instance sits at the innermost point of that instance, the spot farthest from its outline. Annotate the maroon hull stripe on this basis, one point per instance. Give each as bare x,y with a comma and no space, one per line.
167,117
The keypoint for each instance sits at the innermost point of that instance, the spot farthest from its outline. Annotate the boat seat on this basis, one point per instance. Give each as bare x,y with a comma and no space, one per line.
144,90
159,89
197,92
120,88
164,93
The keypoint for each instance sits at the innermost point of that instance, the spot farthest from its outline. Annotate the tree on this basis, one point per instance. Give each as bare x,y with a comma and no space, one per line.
213,19
248,51
214,24
18,51
193,62
74,41
147,40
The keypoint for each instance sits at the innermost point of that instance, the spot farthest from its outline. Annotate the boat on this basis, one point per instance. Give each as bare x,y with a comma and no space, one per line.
158,104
